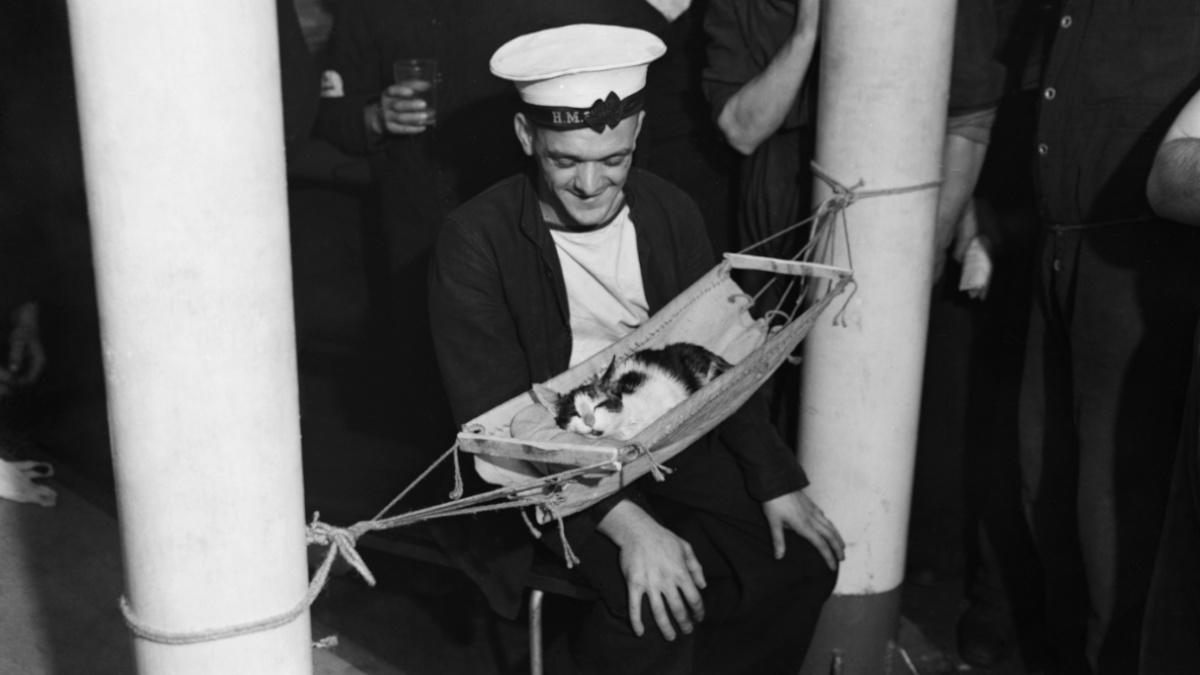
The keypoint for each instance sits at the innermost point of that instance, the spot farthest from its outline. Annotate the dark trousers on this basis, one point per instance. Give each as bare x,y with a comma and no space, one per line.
1171,634
1102,392
760,613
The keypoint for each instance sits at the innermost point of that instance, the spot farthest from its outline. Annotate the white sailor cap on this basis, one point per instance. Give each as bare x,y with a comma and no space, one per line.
582,75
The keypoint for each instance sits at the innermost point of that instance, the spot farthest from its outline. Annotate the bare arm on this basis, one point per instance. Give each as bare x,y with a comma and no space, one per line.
1173,186
962,160
758,109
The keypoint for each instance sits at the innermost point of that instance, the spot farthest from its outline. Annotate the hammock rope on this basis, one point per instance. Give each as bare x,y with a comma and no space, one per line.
541,493
342,542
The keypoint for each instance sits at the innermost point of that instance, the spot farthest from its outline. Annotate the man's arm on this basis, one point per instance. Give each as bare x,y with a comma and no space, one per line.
963,153
658,565
1173,187
759,108
474,335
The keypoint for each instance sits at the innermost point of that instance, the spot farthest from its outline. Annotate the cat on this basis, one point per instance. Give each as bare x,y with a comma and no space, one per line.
631,394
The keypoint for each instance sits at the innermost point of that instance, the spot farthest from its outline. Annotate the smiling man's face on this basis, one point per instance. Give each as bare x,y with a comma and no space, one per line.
582,172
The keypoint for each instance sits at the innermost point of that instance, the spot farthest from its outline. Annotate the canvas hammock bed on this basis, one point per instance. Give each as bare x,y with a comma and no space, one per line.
518,441
535,465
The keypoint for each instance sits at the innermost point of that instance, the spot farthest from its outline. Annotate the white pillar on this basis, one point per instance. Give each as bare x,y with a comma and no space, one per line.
882,106
179,104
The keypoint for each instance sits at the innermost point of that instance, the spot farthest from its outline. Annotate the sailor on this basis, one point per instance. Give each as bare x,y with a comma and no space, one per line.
724,566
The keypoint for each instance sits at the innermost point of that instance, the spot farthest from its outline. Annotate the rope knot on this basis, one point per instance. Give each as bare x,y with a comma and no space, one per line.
657,469
341,541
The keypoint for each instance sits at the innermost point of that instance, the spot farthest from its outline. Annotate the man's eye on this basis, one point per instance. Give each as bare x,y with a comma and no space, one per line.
614,162
563,163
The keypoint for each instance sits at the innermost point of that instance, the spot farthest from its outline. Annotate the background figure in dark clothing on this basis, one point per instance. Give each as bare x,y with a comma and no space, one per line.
966,485
1114,306
680,142
1169,643
757,82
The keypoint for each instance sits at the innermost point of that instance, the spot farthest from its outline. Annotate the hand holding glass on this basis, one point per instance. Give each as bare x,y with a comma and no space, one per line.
411,103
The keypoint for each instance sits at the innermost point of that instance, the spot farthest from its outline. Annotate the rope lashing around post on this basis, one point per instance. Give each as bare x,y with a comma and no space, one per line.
342,541
849,195
840,199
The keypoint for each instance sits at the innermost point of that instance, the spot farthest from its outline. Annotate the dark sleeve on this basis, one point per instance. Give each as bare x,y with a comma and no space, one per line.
976,76
25,264
729,64
352,61
298,77
478,350
770,467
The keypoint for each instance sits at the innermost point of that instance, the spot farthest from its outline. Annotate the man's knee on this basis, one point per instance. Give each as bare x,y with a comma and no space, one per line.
801,577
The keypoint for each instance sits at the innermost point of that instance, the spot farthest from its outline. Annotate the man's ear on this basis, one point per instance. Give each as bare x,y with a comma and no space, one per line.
524,129
641,117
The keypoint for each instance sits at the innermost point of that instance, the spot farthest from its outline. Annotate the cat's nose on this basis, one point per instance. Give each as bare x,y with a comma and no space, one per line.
589,419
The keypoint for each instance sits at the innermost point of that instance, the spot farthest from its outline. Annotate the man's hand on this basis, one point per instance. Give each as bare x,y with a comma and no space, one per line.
658,564
797,512
400,110
26,357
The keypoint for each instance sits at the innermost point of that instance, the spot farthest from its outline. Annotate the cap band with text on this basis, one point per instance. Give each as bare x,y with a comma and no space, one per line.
607,112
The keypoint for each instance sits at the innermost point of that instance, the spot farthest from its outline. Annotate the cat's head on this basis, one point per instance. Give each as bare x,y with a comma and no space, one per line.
595,408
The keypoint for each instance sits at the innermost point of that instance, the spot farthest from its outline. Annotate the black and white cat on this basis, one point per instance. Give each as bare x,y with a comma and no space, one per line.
629,395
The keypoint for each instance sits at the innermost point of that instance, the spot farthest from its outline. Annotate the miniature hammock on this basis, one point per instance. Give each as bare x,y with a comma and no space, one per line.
517,445
518,441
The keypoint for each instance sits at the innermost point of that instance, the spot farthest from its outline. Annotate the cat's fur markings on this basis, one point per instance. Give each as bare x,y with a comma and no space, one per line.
631,394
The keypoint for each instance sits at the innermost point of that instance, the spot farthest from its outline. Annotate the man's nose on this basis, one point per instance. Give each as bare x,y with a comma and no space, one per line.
588,179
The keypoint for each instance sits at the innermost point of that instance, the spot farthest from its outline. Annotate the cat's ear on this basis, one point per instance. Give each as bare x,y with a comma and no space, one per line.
545,397
608,372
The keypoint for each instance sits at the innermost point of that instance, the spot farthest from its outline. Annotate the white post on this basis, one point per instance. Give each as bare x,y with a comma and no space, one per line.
179,104
884,77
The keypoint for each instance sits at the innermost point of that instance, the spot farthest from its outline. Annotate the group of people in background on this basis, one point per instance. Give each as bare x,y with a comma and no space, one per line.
1065,301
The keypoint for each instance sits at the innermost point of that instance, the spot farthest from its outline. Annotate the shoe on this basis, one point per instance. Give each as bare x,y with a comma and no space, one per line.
985,635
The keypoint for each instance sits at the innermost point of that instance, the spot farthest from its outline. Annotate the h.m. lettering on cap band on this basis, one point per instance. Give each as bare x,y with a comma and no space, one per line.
606,112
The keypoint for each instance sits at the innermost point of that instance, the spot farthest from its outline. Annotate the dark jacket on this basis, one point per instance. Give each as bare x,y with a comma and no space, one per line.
500,320
1117,74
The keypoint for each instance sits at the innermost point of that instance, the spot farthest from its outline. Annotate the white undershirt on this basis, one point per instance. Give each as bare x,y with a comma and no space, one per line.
604,284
